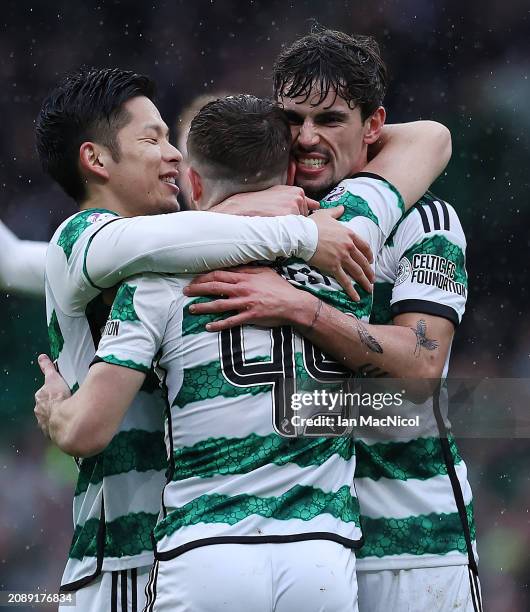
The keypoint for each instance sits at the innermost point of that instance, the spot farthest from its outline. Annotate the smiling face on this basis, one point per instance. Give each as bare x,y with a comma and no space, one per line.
144,178
328,141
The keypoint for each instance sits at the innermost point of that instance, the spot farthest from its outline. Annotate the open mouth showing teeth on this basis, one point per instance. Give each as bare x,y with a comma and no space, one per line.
168,179
312,163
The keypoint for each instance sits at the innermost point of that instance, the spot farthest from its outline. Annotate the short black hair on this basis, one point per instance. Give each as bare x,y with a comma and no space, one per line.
86,105
242,138
329,60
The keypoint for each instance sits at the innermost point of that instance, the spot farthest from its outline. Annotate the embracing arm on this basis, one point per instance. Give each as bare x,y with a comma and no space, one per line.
424,146
83,424
190,242
21,263
416,346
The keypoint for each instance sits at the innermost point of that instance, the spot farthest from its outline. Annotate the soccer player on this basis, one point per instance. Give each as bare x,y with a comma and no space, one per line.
100,136
21,263
416,502
232,479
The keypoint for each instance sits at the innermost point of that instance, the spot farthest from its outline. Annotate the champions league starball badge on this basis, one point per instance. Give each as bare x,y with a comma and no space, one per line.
336,194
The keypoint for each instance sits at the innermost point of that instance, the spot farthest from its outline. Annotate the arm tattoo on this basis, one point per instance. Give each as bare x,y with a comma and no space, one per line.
421,338
367,339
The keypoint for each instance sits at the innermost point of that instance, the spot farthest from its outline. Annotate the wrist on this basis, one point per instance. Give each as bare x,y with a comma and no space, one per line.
303,314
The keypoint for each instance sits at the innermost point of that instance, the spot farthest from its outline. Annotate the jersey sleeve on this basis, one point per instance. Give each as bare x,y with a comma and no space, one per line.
135,328
191,242
429,250
372,207
21,263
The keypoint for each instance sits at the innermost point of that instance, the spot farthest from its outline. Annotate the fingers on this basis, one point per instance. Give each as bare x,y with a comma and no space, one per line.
210,288
224,276
46,365
346,283
217,306
356,273
312,204
335,212
238,319
363,247
366,275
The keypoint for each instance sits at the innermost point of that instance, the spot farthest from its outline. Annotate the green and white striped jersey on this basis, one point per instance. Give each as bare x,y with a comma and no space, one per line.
117,498
231,476
409,512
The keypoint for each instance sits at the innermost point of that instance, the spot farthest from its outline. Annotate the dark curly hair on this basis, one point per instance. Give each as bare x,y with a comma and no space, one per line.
328,60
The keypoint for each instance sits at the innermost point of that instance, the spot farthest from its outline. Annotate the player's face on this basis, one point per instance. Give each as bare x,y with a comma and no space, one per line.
328,141
144,179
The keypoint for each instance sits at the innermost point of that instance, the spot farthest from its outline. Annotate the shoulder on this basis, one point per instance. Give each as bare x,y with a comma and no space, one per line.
360,193
73,228
431,216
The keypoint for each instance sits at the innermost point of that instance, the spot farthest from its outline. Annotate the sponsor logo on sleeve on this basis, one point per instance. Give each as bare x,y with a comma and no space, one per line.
433,270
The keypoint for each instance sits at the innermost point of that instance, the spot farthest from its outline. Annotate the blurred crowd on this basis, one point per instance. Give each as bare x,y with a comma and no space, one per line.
465,64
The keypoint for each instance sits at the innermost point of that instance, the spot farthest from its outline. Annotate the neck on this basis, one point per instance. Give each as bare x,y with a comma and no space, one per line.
107,200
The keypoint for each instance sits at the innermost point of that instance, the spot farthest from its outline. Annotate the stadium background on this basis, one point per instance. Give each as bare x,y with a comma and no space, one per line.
465,64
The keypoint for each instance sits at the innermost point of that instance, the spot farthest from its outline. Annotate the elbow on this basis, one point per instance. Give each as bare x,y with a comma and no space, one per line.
425,382
441,137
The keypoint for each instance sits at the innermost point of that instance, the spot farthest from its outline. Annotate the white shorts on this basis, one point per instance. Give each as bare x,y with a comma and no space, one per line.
313,576
432,589
121,591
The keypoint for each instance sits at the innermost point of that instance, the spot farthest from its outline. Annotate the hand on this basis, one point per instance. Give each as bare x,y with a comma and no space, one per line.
273,202
259,295
54,390
341,253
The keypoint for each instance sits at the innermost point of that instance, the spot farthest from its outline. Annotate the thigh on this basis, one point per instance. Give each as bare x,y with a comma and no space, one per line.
438,589
314,576
232,577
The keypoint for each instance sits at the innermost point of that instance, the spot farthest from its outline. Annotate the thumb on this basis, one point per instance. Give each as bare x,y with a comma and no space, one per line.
335,212
46,366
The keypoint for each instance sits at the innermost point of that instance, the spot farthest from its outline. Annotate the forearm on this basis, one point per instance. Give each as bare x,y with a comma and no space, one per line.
21,263
424,146
65,427
376,350
191,242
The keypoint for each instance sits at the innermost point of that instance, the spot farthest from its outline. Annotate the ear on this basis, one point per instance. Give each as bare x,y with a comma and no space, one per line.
196,185
291,171
373,126
93,158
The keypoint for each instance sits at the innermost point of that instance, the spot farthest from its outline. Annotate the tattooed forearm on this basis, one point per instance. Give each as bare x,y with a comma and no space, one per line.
421,338
367,339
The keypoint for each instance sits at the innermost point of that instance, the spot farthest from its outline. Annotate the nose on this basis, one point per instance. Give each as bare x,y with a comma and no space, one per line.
172,154
308,135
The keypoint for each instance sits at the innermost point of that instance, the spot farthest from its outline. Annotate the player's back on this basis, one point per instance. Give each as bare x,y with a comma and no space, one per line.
231,475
